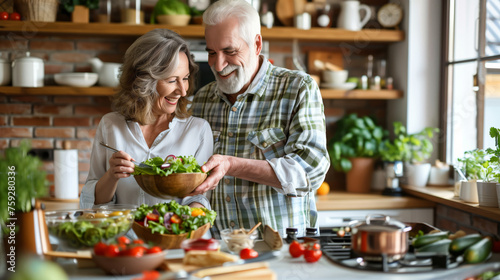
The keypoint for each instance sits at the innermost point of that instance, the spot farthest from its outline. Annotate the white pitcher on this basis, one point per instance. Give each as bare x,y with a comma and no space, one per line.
349,17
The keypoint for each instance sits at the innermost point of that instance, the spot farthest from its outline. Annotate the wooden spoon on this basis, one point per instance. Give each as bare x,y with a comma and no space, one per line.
254,228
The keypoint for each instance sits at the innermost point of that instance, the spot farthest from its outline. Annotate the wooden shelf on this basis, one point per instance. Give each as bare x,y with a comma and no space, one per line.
360,94
57,90
197,31
107,91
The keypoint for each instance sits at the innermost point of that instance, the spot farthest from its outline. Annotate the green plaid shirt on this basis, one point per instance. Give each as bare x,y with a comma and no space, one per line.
280,118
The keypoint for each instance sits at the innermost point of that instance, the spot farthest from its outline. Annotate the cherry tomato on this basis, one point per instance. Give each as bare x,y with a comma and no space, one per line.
296,249
135,251
150,275
197,212
153,217
175,219
100,248
4,16
154,250
248,253
15,16
112,251
312,253
138,241
123,240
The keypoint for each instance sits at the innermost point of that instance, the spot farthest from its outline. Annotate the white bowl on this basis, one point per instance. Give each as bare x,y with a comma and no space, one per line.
76,79
178,20
335,77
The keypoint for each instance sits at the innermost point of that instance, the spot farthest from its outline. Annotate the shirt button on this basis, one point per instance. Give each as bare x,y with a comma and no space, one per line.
228,198
264,144
232,224
227,181
234,109
230,134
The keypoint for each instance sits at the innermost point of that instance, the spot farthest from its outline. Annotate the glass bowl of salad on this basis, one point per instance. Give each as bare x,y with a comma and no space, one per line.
169,177
81,229
168,224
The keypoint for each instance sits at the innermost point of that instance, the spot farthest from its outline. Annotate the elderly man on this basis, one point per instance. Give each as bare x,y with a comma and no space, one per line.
269,129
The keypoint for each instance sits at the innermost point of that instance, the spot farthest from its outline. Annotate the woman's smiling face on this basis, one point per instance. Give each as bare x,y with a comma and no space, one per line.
173,88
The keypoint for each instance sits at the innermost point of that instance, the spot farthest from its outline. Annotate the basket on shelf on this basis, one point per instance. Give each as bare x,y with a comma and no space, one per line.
38,10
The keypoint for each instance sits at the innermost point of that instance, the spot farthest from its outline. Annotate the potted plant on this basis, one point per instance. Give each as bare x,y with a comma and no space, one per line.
79,9
473,164
354,148
23,181
411,150
489,189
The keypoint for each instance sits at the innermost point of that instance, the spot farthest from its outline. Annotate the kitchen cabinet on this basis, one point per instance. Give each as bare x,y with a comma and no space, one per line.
27,29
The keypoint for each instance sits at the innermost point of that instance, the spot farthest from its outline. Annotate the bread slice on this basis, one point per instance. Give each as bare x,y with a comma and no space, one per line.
207,258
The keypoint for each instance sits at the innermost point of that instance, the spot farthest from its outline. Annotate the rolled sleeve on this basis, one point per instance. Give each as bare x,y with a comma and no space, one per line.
197,198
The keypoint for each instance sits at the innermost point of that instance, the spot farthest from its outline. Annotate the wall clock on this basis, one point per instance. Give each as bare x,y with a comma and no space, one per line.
390,15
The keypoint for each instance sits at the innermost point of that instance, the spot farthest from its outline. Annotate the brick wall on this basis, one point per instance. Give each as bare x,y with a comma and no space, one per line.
49,120
453,219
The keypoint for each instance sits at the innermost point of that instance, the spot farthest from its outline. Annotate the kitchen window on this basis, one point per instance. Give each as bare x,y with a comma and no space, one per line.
471,75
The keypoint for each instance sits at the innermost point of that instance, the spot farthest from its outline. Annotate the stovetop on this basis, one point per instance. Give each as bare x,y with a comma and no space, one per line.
338,250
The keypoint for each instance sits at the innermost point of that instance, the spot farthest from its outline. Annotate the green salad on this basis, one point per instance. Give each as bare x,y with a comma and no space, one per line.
173,218
86,231
169,165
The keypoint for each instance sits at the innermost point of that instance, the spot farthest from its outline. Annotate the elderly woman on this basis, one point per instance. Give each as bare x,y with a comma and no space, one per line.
150,119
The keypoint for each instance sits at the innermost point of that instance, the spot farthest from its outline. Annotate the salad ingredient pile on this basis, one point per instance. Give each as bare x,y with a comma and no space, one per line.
171,164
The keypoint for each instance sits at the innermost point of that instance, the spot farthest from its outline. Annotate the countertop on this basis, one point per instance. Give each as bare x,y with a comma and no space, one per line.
444,195
286,267
341,200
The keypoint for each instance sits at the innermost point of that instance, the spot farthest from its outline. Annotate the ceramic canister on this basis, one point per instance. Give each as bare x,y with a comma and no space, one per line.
27,71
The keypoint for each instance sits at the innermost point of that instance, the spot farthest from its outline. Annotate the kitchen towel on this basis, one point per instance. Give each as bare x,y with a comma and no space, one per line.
66,174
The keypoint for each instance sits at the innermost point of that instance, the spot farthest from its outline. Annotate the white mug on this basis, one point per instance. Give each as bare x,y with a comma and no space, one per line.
349,17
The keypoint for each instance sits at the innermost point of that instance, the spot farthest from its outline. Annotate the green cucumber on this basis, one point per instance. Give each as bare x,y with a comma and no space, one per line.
441,246
458,246
426,239
479,251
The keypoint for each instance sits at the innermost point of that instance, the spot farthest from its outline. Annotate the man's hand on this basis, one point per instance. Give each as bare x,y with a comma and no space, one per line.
218,165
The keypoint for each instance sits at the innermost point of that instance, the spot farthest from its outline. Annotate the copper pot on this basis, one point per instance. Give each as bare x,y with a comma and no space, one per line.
378,235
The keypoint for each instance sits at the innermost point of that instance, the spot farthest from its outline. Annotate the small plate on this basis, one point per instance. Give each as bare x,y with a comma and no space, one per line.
346,86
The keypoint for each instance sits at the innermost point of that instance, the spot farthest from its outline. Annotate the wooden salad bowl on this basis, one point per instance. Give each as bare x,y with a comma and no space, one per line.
173,185
168,241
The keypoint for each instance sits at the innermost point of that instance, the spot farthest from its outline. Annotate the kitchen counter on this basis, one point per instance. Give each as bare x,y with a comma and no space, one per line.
286,267
338,200
444,195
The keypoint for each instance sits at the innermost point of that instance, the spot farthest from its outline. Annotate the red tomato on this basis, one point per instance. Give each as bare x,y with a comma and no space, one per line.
312,255
138,241
135,251
496,246
175,219
4,16
112,251
248,253
123,240
15,16
100,248
154,250
150,275
296,249
153,217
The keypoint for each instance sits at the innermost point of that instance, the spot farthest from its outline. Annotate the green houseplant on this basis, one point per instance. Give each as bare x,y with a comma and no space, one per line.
412,150
355,144
495,154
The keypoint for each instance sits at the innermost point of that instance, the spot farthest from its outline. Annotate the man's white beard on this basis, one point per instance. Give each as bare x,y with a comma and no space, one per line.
239,79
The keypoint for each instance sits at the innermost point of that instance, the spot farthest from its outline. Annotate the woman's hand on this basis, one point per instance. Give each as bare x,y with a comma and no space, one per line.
121,165
218,165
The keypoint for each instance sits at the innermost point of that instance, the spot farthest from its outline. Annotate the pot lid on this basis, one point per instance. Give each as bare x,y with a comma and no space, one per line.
380,223
29,58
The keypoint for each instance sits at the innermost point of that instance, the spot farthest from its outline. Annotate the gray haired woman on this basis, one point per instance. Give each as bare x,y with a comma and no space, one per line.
150,119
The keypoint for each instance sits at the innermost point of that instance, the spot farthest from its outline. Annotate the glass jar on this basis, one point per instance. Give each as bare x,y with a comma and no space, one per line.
131,12
104,12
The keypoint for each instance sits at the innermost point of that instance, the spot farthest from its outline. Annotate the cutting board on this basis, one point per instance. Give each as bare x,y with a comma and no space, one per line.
334,57
287,9
246,271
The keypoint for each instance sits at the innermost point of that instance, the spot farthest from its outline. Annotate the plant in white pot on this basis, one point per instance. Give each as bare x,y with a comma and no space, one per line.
474,165
411,149
353,150
487,192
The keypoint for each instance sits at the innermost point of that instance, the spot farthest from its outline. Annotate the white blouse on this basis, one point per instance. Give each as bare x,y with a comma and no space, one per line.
185,137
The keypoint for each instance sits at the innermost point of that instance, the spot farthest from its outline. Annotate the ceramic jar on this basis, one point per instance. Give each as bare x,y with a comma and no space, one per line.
27,71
